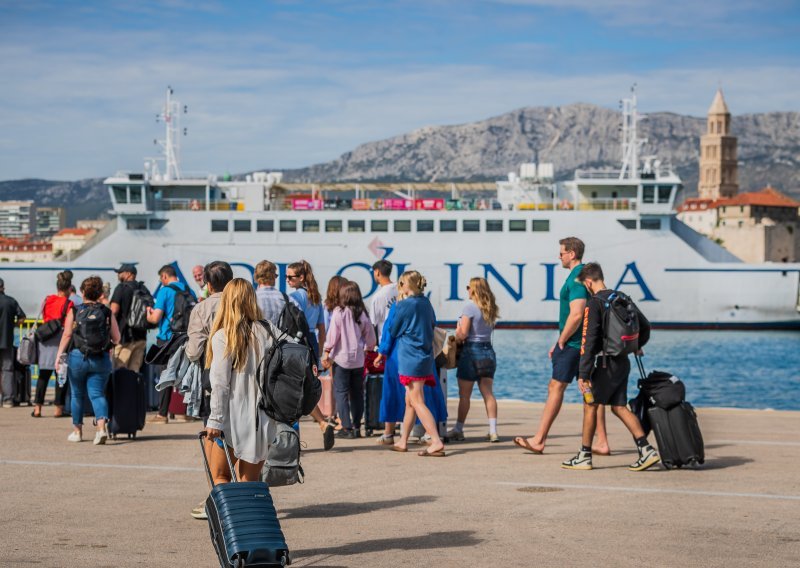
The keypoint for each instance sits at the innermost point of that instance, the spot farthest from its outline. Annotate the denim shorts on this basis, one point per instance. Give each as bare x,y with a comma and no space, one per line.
566,363
477,361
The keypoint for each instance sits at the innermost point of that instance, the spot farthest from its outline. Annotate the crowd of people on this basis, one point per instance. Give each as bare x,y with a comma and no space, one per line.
90,335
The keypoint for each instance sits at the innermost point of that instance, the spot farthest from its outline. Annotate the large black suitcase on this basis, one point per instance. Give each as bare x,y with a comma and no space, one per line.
372,404
243,522
678,435
22,383
127,403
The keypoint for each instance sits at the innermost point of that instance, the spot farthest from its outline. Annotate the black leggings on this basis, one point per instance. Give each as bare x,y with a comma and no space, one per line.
41,388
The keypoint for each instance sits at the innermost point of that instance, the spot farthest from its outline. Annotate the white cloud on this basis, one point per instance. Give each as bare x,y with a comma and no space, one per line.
83,104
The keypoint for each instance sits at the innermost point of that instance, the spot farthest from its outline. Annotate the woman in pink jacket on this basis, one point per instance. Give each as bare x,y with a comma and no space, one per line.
349,335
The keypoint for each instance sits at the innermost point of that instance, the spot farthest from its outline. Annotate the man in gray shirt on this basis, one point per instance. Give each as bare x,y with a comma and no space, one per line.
270,299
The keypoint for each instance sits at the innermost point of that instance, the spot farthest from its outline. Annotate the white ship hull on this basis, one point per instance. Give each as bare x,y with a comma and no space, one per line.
673,283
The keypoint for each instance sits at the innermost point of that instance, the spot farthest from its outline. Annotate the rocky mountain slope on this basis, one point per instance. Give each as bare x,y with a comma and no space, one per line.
572,136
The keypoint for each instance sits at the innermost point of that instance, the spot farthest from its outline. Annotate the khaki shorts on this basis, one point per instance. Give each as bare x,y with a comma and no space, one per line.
129,355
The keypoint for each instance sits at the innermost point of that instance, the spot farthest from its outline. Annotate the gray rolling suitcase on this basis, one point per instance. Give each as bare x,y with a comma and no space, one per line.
243,522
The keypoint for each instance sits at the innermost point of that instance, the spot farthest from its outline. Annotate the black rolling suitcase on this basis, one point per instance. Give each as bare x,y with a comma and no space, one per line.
671,418
127,403
243,522
678,435
22,384
372,404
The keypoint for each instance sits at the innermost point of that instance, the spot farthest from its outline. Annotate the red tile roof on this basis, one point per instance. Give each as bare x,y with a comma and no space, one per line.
767,197
75,232
696,204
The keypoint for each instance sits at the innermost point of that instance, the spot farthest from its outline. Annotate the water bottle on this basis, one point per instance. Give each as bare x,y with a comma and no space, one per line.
62,368
588,396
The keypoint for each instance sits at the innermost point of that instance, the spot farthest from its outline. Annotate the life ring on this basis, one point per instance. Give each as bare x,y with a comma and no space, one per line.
194,205
564,204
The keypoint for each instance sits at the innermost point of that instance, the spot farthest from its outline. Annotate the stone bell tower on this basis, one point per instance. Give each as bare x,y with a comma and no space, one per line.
719,176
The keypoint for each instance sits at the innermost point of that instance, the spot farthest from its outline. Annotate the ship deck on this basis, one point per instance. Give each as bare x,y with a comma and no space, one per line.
127,504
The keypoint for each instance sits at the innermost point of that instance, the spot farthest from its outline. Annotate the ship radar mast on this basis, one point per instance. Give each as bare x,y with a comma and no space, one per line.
631,143
171,145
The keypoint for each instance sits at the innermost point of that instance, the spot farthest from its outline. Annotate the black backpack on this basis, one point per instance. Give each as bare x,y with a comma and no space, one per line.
288,379
92,331
141,299
620,325
292,321
184,303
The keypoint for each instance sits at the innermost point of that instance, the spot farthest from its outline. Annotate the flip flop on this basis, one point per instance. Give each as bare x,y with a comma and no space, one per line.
523,443
436,454
399,449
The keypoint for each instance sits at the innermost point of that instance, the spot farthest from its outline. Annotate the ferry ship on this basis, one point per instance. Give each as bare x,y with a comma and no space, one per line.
508,232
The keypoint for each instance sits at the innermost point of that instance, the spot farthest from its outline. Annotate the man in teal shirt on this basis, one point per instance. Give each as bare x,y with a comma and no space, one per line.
566,353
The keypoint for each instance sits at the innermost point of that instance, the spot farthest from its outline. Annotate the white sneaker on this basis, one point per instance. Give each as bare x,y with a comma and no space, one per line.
100,438
75,437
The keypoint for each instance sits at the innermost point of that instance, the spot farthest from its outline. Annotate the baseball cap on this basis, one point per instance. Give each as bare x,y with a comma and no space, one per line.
126,268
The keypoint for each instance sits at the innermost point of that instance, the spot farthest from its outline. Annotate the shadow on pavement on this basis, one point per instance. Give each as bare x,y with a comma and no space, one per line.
449,539
123,438
724,462
324,510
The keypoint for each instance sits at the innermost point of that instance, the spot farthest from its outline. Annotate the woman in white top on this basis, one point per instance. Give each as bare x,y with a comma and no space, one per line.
237,348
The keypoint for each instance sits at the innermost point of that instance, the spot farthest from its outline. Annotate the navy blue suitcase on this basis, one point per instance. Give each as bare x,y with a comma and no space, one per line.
243,522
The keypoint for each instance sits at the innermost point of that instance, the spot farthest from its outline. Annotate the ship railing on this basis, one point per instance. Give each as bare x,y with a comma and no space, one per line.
197,205
607,204
597,174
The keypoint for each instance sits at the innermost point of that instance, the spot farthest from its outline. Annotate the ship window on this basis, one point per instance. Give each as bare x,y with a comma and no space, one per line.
287,226
541,225
627,223
136,194
356,226
448,226
265,225
664,192
425,226
470,225
648,194
156,224
402,226
137,224
379,226
494,226
219,225
120,194
650,224
242,226
311,226
594,195
517,225
333,226
614,195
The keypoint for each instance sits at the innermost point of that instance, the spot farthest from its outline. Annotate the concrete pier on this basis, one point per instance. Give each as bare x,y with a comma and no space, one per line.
128,503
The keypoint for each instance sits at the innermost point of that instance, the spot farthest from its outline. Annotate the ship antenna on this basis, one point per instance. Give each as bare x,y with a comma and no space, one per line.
631,143
171,145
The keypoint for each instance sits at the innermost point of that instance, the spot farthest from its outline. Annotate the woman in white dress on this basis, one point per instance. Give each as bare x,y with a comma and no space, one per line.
237,348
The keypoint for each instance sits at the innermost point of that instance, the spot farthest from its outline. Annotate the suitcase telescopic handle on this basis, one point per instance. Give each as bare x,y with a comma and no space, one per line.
221,444
640,364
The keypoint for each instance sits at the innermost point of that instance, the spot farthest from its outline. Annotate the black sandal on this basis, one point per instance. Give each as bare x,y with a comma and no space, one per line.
34,415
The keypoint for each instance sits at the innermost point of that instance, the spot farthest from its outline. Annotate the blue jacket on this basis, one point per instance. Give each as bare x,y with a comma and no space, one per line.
412,329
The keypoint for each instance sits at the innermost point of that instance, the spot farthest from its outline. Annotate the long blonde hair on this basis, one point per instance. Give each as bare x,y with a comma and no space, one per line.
236,314
483,297
411,283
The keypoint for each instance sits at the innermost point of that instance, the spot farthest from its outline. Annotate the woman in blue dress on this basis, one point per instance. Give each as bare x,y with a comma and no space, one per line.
412,331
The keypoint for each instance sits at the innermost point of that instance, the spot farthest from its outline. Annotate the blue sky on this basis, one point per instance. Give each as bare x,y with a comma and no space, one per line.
292,83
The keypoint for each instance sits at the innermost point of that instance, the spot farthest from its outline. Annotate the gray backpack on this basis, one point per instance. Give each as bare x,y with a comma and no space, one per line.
283,459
